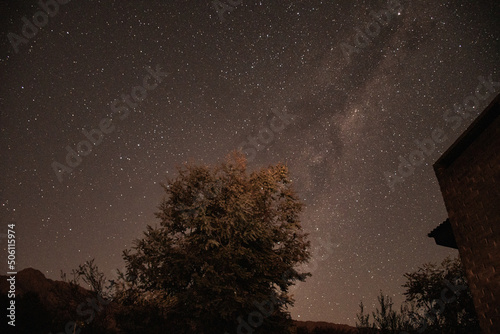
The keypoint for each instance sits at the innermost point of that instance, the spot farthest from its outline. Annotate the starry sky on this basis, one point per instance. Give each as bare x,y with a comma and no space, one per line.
171,81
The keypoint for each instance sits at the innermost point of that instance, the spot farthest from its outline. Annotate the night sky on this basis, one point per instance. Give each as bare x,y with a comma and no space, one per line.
351,102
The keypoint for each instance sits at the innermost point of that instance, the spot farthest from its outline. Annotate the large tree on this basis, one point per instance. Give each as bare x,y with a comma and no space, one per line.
226,249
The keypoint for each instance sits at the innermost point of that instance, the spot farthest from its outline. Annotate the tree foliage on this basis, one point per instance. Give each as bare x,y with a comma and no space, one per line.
442,297
90,274
227,240
385,318
438,300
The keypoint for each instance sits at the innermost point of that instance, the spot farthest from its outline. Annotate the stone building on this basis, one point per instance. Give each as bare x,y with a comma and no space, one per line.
469,177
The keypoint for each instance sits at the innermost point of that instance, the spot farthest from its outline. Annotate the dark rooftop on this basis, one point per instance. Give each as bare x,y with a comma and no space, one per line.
467,138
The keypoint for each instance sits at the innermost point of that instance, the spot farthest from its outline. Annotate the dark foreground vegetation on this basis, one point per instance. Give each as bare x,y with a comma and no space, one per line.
46,306
438,300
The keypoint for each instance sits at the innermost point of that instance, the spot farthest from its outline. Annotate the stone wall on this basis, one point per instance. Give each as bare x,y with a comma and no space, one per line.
469,176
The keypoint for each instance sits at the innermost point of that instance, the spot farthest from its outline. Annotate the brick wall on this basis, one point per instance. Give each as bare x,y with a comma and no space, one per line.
469,177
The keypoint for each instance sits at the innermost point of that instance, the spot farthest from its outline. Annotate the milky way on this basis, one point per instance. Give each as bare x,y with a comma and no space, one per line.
363,83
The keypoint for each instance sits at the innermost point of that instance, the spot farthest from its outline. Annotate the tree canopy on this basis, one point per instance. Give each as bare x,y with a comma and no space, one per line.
228,244
438,300
442,296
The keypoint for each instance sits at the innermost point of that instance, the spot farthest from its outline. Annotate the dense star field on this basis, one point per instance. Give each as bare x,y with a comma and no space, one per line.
101,100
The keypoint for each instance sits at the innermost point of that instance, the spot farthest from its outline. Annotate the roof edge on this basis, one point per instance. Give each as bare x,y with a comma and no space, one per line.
482,121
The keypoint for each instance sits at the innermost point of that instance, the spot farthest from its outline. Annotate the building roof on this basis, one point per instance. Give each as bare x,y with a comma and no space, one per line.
467,138
443,235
